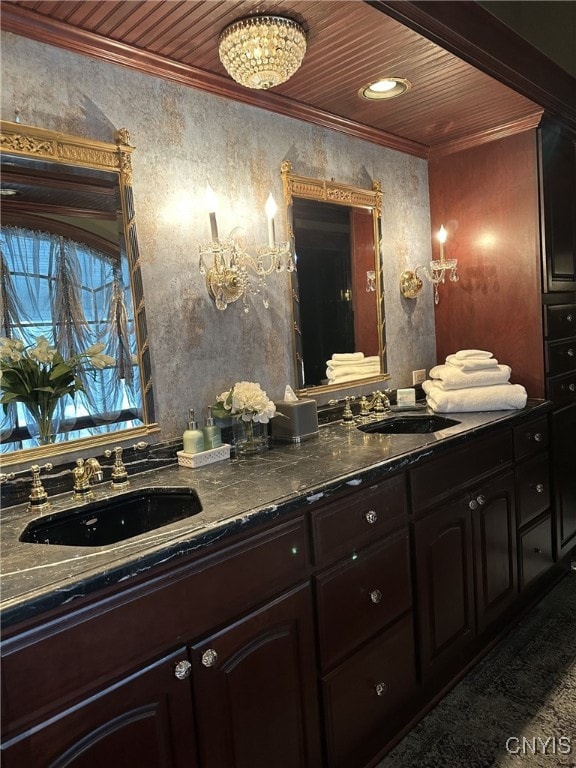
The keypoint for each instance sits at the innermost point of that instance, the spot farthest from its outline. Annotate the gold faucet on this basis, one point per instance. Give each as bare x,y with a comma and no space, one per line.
119,471
376,408
38,499
85,471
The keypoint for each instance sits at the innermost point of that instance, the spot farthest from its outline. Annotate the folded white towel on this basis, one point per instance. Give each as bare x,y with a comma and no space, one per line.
348,356
463,354
499,397
472,363
352,377
347,370
451,377
374,359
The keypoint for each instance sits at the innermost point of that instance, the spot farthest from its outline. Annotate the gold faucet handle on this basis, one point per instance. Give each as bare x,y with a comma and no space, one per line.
119,471
38,498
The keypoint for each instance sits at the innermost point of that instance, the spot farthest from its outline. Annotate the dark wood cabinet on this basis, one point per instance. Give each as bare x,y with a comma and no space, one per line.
255,689
465,547
558,196
494,534
144,720
563,449
444,585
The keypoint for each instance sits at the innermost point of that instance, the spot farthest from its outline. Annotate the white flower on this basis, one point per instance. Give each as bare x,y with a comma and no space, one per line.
249,400
43,352
101,361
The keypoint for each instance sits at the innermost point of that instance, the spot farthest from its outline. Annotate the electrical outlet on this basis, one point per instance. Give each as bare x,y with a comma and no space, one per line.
419,376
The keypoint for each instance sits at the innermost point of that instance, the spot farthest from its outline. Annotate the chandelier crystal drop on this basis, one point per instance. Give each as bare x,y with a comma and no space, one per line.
262,51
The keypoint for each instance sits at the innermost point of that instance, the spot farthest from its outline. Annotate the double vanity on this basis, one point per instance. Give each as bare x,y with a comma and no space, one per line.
301,608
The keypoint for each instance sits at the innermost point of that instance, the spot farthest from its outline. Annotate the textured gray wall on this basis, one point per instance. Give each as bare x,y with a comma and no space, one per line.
184,138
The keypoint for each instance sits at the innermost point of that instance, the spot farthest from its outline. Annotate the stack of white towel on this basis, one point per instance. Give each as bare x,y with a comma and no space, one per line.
472,380
349,366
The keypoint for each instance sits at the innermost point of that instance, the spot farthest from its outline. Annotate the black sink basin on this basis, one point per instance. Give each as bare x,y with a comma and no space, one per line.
104,522
409,425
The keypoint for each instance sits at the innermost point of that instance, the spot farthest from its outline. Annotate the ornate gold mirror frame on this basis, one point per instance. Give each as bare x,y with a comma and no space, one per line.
324,191
18,140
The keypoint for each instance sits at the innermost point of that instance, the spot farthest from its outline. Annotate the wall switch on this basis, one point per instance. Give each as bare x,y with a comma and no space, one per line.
419,376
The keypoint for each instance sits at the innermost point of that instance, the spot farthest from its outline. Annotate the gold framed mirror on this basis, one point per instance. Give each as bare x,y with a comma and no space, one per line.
68,218
337,293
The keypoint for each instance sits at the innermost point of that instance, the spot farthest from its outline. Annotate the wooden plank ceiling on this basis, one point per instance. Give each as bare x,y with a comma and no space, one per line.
350,44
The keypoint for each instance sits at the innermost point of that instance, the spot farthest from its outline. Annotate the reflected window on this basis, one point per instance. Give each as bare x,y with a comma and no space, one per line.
76,295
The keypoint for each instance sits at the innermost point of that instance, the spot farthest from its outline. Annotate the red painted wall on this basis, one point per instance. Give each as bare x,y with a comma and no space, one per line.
487,198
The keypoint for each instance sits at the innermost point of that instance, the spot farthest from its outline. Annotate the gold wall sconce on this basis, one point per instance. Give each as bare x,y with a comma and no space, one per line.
410,282
227,265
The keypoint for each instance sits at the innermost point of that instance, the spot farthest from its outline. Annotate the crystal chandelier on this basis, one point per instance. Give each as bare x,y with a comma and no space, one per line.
411,284
227,265
262,51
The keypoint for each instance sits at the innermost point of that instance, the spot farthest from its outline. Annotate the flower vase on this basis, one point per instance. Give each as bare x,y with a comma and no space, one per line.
43,423
250,437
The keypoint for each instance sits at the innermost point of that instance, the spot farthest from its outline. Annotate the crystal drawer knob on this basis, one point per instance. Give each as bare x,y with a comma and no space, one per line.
376,596
371,517
570,318
209,657
570,352
182,670
473,504
572,387
481,500
540,488
538,437
380,689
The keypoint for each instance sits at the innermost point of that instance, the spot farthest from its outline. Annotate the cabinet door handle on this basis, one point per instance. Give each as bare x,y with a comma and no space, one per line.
537,551
371,517
209,657
376,596
182,670
380,689
472,504
481,499
540,488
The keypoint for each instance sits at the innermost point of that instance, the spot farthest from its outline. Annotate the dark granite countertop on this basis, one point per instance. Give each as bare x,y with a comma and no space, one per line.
236,494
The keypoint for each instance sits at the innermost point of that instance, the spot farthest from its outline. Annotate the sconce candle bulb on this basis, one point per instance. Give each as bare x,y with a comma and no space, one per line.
442,235
271,209
211,204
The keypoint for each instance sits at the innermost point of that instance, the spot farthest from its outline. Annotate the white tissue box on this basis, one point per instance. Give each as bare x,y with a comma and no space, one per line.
204,457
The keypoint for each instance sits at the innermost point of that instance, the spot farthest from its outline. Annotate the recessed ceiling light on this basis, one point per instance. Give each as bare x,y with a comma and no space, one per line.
385,88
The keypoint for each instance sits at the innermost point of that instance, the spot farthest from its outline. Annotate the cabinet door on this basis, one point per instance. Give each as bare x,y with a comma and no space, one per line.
145,720
494,531
445,585
559,204
564,478
255,689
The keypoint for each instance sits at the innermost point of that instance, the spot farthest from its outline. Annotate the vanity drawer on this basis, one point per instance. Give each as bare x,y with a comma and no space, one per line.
367,698
560,356
342,526
560,321
562,389
531,437
360,596
535,551
532,488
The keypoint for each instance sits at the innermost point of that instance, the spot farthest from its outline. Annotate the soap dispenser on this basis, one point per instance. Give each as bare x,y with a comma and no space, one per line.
212,435
193,438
